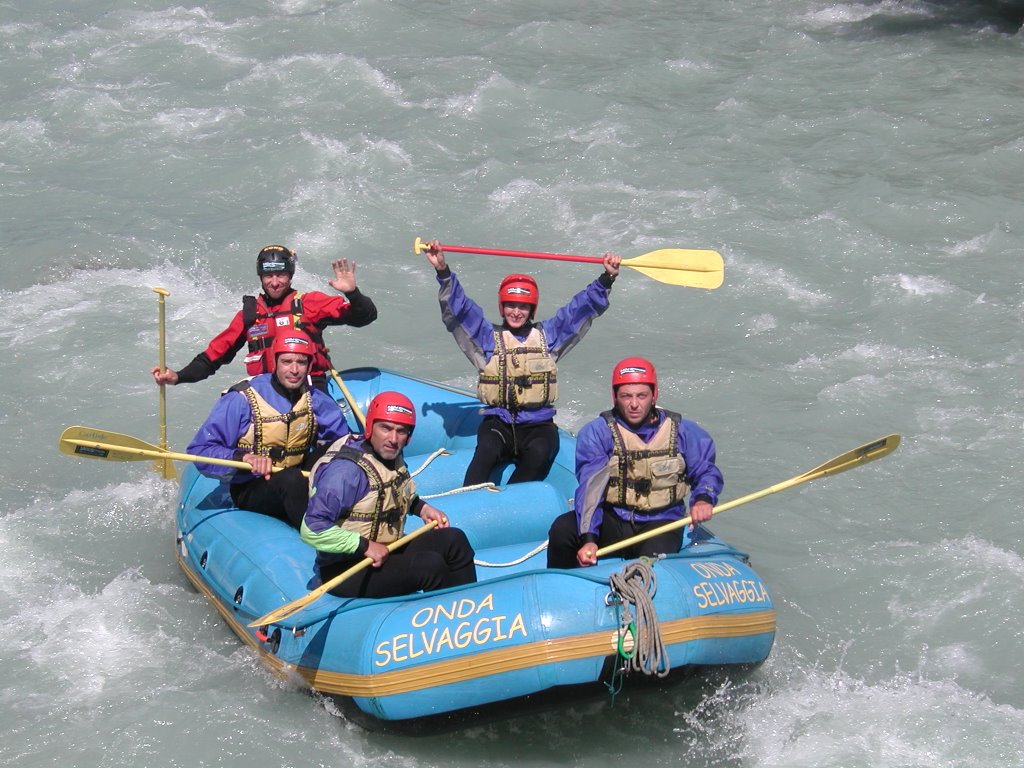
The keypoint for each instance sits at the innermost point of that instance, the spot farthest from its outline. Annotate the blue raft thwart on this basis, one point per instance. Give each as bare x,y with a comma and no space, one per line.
522,629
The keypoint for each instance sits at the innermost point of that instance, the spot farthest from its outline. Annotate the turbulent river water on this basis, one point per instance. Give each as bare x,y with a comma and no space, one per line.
858,165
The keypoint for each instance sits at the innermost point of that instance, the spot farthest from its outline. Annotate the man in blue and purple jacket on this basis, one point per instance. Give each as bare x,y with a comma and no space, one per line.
277,424
635,465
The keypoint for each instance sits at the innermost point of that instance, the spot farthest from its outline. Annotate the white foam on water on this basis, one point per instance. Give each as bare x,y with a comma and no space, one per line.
844,13
923,285
763,323
971,246
983,568
95,647
29,138
689,65
313,71
76,615
779,281
823,718
176,20
78,293
600,135
89,644
361,153
299,6
194,122
489,93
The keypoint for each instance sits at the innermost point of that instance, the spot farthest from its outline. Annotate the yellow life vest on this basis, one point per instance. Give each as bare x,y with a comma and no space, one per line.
380,514
646,476
521,375
284,437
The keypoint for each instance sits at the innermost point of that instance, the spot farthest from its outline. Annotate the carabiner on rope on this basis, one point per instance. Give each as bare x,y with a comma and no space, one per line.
631,634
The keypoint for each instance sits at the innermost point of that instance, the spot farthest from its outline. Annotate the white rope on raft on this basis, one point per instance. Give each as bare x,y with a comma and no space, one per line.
430,458
426,463
482,563
539,548
463,489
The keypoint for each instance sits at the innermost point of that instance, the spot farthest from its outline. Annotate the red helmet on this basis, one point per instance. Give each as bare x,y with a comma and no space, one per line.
635,370
519,288
274,259
390,406
291,340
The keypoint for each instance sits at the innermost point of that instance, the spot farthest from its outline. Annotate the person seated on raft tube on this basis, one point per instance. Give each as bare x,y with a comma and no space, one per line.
634,467
272,420
517,364
360,493
277,309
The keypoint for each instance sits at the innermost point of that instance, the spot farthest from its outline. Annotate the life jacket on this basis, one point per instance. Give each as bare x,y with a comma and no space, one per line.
284,437
521,375
646,476
261,325
380,515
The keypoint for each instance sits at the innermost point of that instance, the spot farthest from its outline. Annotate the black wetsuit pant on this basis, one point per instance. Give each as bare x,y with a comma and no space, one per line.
531,446
436,560
564,540
284,496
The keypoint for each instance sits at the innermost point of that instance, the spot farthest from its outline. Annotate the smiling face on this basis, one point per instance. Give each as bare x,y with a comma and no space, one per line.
515,313
276,285
291,369
634,402
388,438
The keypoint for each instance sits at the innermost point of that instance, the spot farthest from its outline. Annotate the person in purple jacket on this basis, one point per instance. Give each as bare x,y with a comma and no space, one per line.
278,425
635,465
361,494
517,363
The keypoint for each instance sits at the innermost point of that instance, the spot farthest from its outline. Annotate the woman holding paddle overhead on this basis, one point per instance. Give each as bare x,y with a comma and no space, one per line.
517,362
635,465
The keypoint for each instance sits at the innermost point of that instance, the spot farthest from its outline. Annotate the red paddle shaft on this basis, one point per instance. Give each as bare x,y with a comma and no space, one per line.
519,254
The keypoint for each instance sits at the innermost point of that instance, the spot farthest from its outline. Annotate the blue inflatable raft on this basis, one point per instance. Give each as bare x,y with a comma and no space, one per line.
520,630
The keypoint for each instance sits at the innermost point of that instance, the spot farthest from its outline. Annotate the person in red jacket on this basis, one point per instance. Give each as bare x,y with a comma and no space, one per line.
279,308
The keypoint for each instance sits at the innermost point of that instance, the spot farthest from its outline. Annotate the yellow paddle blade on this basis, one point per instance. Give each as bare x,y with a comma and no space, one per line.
290,609
681,266
92,443
876,449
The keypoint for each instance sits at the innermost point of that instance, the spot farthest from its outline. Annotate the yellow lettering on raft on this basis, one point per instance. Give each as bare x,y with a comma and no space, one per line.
485,630
714,594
